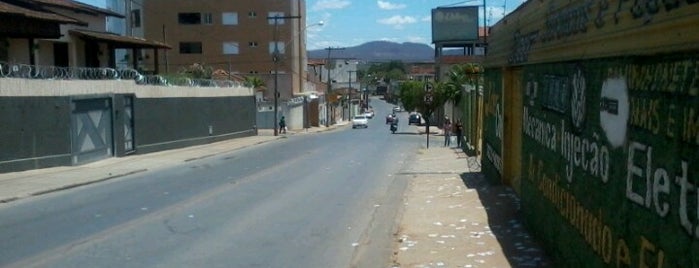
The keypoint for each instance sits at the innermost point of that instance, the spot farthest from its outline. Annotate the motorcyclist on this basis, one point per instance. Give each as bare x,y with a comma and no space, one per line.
394,124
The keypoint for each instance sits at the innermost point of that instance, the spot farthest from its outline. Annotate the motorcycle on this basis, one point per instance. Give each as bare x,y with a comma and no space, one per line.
394,126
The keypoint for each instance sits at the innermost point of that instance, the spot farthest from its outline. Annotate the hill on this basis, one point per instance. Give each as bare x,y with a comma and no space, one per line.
381,51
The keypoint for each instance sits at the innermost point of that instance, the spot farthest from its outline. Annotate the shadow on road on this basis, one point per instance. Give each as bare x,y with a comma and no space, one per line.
404,133
502,205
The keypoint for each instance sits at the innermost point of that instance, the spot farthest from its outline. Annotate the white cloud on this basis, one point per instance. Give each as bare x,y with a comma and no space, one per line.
389,6
426,19
398,21
330,4
390,39
416,39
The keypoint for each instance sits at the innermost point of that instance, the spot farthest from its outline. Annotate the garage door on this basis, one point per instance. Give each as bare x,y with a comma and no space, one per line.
91,130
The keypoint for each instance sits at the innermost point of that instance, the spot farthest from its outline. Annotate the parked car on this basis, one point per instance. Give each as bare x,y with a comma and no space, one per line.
390,118
415,118
360,121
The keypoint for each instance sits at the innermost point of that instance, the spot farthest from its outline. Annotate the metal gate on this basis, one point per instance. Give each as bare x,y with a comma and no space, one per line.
128,125
91,130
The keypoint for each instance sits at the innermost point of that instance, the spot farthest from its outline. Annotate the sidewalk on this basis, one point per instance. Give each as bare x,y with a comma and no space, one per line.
452,217
18,185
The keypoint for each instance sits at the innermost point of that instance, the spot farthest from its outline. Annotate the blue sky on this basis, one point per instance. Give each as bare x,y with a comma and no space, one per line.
348,23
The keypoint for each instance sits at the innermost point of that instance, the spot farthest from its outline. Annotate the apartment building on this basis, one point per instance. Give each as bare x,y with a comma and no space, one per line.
236,36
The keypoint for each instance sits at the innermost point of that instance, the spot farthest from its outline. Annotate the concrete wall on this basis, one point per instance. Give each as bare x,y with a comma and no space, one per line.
492,163
592,115
616,170
35,116
34,132
166,123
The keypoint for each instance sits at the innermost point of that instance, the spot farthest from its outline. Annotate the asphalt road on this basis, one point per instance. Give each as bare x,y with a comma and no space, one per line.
315,200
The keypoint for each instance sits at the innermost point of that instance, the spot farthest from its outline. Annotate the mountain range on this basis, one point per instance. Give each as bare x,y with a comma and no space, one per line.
380,51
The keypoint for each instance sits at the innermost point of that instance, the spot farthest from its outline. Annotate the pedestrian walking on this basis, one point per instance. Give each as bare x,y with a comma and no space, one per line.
447,132
282,125
459,132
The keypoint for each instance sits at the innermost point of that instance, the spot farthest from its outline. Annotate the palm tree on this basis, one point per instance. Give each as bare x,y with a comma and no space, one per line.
254,82
459,76
453,86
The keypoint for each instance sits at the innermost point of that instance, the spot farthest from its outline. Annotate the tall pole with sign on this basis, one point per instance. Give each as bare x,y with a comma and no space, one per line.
428,103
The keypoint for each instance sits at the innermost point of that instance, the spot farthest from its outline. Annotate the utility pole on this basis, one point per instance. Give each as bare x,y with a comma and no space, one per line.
327,101
485,27
350,93
165,40
275,59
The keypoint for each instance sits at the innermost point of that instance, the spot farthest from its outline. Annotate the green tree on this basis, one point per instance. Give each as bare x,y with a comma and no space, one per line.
412,96
458,76
388,71
254,82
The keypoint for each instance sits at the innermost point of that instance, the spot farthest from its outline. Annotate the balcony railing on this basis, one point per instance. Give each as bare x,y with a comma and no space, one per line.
26,71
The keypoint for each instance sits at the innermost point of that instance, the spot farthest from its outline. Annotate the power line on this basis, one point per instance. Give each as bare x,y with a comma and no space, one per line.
458,3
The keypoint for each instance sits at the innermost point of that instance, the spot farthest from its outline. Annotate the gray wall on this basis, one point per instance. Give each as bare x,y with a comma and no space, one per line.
166,123
37,119
34,132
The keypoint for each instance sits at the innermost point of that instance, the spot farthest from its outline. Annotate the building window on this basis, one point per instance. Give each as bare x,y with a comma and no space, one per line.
275,14
280,46
254,72
230,18
189,18
252,14
190,47
195,18
135,18
252,44
230,48
208,18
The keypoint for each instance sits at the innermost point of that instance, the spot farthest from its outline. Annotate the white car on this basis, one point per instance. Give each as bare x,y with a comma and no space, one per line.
360,121
369,114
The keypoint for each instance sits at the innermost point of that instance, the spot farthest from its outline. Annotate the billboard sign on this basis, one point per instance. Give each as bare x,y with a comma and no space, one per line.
455,24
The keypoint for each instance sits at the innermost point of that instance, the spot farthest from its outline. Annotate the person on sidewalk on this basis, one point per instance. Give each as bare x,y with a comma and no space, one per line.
447,132
282,125
458,131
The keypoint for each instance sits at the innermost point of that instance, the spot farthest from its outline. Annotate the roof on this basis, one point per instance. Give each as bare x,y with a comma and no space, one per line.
314,62
220,74
119,41
9,9
483,31
79,7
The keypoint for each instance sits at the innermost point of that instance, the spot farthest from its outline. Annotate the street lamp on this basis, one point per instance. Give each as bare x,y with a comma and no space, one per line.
275,59
303,57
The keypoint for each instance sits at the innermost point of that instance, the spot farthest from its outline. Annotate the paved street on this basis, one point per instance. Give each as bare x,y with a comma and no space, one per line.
415,207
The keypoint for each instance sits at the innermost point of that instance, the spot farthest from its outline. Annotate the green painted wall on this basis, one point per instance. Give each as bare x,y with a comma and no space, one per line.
493,120
610,160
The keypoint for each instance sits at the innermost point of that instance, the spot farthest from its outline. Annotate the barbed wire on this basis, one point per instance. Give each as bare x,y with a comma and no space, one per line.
27,71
